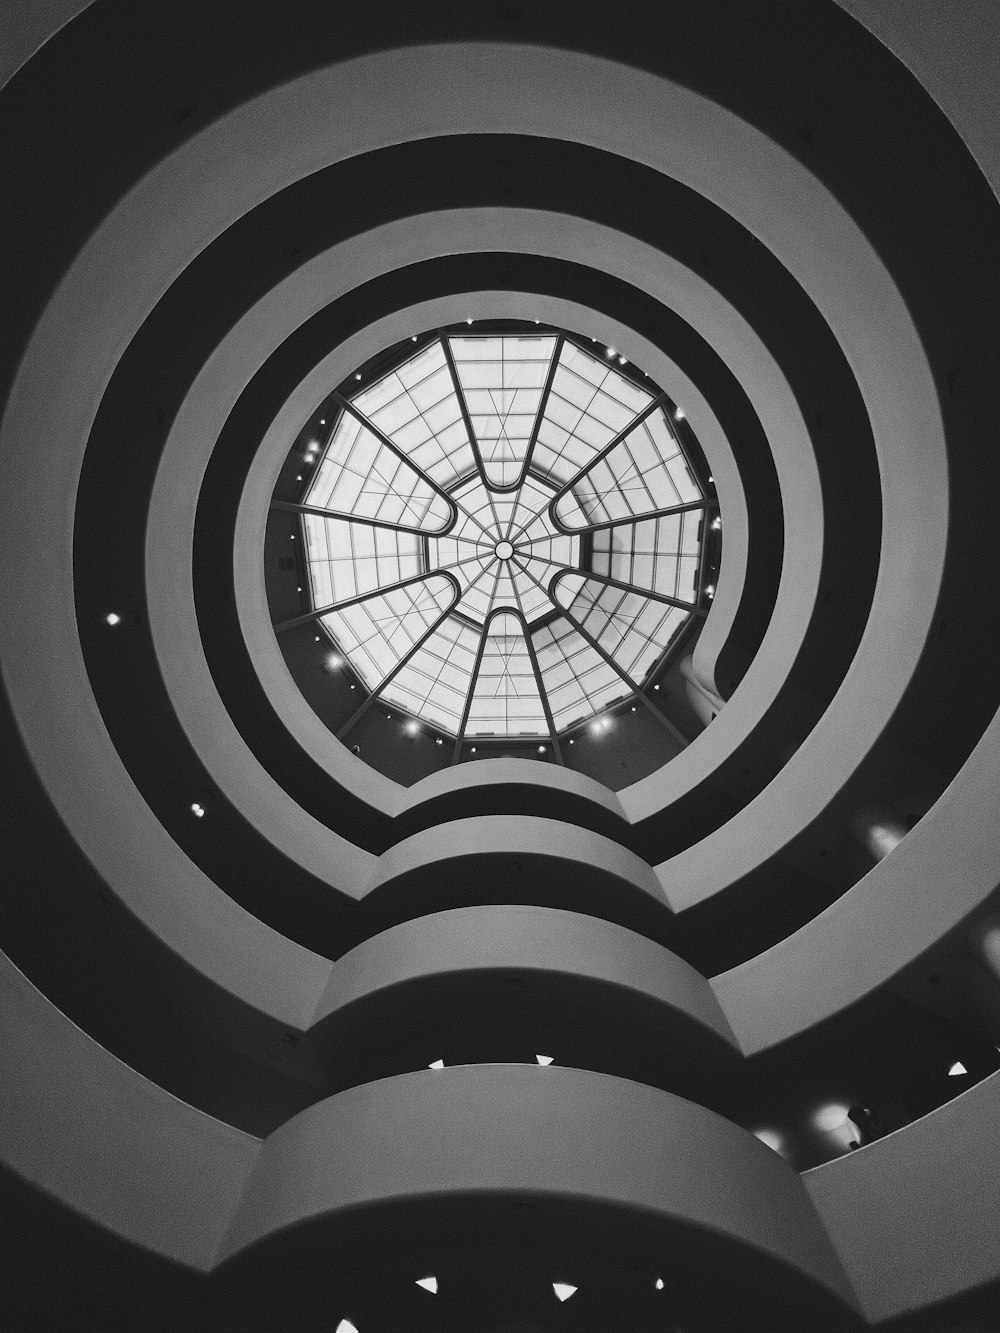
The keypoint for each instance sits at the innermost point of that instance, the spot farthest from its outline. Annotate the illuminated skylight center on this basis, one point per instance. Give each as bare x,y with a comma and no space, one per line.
502,534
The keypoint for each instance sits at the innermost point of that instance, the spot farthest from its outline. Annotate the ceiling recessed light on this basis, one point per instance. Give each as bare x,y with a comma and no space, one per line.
358,375
345,1326
544,1059
957,1068
679,415
563,1290
429,1284
112,618
438,1064
197,810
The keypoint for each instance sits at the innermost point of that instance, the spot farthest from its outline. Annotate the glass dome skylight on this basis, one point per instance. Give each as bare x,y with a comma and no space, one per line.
502,534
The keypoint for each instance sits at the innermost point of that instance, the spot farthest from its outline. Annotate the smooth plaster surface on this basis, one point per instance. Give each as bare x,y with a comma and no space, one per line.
500,1129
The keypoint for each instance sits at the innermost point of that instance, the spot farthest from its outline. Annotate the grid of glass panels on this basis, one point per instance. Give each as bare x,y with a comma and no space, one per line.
658,554
502,380
359,475
590,403
505,698
644,472
629,626
378,633
417,407
416,611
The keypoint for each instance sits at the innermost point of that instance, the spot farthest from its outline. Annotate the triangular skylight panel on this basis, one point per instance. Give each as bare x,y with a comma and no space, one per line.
378,633
360,475
505,699
630,626
645,472
417,407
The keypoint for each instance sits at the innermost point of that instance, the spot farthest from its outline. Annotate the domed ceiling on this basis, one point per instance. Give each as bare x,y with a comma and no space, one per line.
502,533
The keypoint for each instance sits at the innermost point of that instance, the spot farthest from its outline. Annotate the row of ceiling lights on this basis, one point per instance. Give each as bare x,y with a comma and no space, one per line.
562,1290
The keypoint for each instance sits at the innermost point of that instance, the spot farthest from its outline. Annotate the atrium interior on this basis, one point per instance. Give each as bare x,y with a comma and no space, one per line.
500,704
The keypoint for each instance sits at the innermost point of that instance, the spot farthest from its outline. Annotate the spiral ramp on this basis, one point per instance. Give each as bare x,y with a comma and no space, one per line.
496,1049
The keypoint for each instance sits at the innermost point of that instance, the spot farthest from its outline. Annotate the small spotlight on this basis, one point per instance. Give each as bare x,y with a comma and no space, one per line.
710,590
468,321
538,321
610,353
438,740
544,1059
429,1284
112,618
322,421
298,589
292,537
572,742
413,339
197,810
957,1068
334,661
541,749
473,749
354,687
622,361
298,478
656,687
389,716
563,1290
438,1064
633,708
717,523
712,480
658,1284
678,414
316,638
413,728
358,375
345,1326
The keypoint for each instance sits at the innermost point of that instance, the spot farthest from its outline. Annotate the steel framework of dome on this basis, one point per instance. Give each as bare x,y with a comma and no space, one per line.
502,534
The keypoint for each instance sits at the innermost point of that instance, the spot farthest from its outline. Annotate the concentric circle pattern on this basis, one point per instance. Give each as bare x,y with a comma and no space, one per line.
501,727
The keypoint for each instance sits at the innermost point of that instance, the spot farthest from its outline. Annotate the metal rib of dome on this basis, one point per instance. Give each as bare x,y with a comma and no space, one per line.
503,535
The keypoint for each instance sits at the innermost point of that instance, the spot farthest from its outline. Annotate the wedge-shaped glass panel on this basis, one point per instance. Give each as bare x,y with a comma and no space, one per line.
376,634
417,407
434,683
588,405
577,680
505,699
631,628
502,380
359,475
345,559
658,554
645,472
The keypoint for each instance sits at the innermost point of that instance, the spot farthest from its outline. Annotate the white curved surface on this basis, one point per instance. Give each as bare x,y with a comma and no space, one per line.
497,1129
528,939
514,835
341,111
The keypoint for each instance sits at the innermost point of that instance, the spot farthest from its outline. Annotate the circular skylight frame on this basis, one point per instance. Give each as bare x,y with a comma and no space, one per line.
432,460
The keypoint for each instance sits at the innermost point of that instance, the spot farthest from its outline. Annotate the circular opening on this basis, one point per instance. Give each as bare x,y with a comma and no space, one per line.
504,550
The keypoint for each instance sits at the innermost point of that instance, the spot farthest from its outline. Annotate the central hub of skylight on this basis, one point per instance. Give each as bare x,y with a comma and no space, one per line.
502,533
